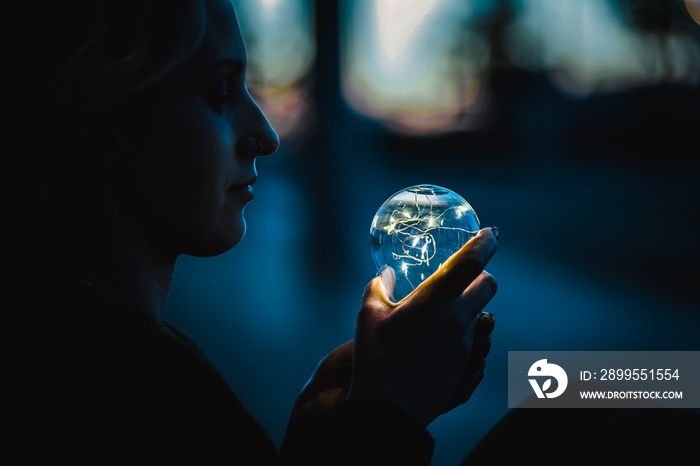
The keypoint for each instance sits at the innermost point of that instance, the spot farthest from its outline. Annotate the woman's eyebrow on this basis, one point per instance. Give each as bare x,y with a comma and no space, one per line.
238,65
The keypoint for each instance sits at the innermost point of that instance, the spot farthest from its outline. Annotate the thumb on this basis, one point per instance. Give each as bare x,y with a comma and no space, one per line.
380,290
388,278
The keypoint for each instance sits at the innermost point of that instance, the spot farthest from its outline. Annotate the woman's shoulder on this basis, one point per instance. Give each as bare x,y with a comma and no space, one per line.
67,333
48,316
83,365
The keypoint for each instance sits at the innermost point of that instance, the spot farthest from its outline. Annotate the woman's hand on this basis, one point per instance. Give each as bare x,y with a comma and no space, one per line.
426,353
328,387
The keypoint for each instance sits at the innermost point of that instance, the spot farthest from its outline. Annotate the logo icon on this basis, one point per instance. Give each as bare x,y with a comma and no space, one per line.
542,368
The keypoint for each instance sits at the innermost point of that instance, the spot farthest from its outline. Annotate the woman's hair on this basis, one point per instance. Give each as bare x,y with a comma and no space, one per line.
71,69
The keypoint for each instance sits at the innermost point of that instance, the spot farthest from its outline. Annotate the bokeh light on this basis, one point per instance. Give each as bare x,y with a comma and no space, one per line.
424,67
582,44
398,62
693,7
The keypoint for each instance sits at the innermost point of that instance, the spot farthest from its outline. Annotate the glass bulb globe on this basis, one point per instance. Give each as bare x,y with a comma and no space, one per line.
416,230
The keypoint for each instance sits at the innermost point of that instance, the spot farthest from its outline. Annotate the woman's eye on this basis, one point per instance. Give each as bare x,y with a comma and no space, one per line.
228,90
224,94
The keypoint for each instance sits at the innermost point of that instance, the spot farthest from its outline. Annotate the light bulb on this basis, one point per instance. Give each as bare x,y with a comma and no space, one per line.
416,230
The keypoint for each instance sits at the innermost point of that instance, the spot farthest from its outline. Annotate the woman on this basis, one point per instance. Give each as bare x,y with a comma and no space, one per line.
129,139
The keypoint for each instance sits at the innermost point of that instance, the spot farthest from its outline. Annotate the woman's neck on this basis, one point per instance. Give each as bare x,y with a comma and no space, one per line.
119,259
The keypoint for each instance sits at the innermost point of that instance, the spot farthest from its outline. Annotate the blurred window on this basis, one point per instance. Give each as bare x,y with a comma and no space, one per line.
423,66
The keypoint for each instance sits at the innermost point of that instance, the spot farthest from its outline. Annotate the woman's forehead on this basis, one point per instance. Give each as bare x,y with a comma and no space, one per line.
222,38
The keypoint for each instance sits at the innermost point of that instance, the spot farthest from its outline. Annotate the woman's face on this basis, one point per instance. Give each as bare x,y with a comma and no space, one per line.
187,153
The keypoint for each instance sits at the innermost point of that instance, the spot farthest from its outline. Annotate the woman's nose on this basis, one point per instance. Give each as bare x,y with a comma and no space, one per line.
269,143
261,139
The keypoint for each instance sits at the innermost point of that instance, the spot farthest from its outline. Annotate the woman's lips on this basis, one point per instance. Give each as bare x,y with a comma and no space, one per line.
243,191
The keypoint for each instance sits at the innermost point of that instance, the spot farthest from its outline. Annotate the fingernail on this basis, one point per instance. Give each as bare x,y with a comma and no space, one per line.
494,230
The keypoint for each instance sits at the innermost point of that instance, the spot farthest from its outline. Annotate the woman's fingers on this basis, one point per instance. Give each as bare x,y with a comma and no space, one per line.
466,388
482,342
477,362
485,326
333,372
477,295
388,276
377,295
336,361
460,270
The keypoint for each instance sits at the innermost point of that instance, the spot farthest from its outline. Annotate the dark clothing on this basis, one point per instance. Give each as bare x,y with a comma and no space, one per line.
601,436
95,380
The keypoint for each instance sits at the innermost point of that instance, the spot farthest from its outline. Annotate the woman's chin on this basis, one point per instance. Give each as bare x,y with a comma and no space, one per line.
218,243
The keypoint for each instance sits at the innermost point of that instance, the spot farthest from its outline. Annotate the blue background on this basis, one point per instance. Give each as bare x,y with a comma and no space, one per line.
596,200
